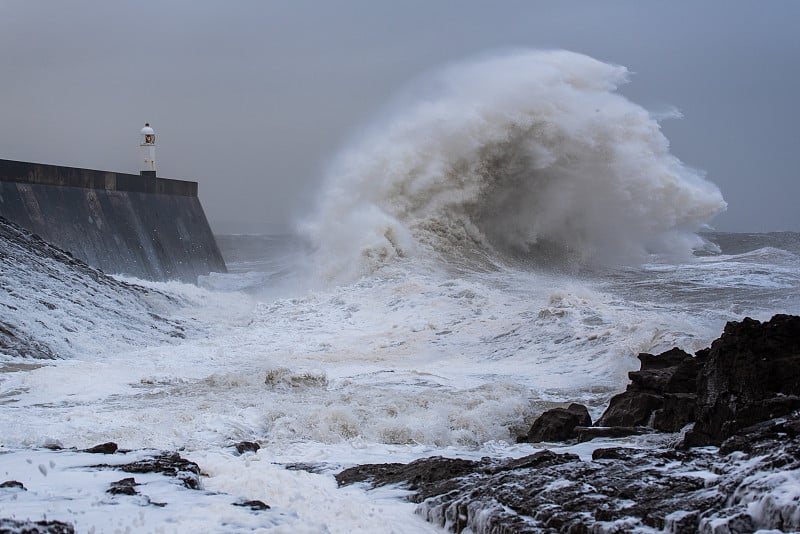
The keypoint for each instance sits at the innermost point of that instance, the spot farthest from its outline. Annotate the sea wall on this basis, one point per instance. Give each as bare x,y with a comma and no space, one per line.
142,226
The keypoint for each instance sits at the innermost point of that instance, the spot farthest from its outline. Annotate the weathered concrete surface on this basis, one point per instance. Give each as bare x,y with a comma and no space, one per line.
151,228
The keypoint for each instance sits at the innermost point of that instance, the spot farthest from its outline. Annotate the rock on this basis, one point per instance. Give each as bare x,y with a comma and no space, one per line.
247,446
619,490
558,424
167,463
677,411
104,448
256,506
53,445
743,393
738,522
747,438
126,486
631,408
661,394
14,526
310,467
13,484
752,375
673,371
535,460
613,453
416,474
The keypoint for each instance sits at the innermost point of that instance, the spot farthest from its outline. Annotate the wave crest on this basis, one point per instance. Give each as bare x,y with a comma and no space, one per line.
533,150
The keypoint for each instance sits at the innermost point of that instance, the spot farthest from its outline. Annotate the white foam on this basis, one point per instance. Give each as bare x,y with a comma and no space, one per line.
412,361
416,357
527,149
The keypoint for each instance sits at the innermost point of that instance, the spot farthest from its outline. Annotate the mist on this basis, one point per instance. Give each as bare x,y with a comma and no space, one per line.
255,100
509,154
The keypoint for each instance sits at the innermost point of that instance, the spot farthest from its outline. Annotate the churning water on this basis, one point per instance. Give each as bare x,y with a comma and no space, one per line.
508,238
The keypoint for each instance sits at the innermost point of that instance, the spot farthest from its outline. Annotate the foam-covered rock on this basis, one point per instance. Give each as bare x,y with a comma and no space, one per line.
621,489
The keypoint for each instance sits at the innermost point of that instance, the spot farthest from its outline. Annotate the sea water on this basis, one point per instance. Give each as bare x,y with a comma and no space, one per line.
506,242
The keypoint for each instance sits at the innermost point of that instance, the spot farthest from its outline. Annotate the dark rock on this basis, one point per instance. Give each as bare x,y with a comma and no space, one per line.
661,394
677,411
744,390
415,475
752,374
614,453
682,523
746,438
13,484
14,526
256,506
126,486
247,446
619,490
316,468
104,448
558,424
673,371
539,459
631,408
167,463
792,428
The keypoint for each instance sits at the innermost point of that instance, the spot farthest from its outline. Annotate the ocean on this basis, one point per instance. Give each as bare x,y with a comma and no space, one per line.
507,244
409,362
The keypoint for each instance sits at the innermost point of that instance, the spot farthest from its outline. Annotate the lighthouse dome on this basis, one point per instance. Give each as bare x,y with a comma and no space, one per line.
147,135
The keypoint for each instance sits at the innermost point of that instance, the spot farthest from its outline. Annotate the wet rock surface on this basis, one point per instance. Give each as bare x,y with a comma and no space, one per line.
256,506
103,448
126,486
662,394
743,394
12,526
247,446
752,375
170,464
619,489
558,424
130,491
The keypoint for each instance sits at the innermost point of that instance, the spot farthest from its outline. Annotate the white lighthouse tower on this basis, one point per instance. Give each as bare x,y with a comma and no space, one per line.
147,150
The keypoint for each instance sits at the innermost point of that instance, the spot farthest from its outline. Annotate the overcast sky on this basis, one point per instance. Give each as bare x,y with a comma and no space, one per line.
253,98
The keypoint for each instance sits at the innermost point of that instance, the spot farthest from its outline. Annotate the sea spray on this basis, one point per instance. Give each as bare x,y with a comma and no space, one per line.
532,151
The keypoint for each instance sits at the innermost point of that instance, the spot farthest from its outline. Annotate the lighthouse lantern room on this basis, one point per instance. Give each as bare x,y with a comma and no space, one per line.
147,148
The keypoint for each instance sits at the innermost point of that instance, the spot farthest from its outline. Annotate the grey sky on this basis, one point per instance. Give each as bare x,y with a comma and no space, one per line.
253,98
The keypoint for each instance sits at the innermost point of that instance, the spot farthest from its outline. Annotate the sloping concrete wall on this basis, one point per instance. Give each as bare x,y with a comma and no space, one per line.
151,228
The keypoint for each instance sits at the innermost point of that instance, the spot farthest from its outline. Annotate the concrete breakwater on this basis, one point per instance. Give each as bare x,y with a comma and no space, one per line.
143,226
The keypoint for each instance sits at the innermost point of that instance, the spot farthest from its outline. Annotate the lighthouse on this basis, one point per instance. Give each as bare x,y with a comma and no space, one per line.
147,151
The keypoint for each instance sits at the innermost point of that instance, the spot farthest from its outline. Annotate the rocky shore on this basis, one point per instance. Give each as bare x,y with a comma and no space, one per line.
118,490
718,452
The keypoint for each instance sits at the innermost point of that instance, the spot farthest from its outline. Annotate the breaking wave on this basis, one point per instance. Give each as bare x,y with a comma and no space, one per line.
530,153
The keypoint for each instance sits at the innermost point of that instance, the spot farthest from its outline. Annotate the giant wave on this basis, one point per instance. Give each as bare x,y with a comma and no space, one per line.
531,151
